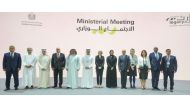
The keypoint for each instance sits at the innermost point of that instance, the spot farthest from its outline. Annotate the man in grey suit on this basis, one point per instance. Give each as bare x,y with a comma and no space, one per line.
169,67
58,65
124,65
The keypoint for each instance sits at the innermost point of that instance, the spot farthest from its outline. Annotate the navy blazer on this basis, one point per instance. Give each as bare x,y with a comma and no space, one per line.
99,62
172,66
10,63
123,63
155,64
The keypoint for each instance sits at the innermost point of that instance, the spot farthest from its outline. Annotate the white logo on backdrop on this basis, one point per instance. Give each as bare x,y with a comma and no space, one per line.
180,20
31,20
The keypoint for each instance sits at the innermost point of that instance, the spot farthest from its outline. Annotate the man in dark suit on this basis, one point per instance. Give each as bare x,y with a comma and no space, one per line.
58,65
124,65
155,62
12,65
169,67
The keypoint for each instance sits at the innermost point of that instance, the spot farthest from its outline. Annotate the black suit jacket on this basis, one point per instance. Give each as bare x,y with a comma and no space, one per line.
58,63
10,63
99,62
172,66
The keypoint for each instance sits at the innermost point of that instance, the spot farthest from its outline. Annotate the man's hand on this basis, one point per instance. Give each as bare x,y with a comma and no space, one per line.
99,67
18,69
43,69
139,70
132,67
28,66
87,68
148,70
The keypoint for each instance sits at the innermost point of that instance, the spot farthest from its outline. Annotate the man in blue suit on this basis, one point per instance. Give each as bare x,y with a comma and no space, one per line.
155,62
169,67
124,65
11,65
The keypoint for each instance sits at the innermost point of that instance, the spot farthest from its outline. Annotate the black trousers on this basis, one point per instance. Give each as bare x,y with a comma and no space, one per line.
57,73
99,73
155,78
123,79
169,74
8,78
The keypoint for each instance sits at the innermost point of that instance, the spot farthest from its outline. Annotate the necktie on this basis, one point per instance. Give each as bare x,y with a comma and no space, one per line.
157,56
58,55
12,55
168,61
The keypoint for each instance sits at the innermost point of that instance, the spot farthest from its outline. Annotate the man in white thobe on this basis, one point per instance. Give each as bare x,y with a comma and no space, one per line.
44,69
72,67
87,75
29,71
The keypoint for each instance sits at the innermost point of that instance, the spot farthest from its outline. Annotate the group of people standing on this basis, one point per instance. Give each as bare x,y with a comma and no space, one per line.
128,65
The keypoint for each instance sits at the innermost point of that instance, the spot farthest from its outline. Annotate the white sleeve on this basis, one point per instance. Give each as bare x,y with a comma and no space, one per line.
34,61
78,63
67,62
40,66
138,64
92,61
148,63
24,60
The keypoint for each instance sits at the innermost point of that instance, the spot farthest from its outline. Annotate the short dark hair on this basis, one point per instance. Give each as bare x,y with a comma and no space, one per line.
132,49
111,50
168,49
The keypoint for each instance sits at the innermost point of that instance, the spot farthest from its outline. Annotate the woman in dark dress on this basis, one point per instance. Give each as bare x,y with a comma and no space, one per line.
111,74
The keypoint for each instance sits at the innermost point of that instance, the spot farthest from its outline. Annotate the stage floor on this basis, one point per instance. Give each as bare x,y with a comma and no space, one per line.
180,88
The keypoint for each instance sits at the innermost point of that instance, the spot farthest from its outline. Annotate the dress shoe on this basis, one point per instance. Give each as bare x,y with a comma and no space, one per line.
134,86
54,86
16,88
165,89
7,89
171,90
131,86
26,87
157,88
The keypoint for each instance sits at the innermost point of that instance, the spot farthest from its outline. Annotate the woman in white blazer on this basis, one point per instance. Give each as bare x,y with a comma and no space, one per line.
143,68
